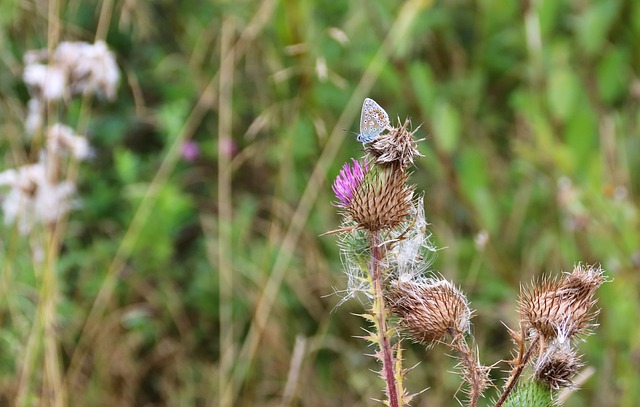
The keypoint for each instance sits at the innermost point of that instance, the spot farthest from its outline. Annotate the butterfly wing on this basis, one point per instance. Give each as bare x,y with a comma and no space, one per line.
373,120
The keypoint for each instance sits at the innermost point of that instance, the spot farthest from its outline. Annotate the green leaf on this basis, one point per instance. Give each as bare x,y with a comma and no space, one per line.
562,92
594,25
613,72
446,127
126,165
422,82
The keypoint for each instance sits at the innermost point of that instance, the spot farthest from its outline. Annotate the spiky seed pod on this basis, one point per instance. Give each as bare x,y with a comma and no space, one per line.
431,310
395,147
561,307
558,365
382,200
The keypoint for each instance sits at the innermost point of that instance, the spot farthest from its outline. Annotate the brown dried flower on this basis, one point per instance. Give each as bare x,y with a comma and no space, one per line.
431,310
395,147
558,365
561,307
382,200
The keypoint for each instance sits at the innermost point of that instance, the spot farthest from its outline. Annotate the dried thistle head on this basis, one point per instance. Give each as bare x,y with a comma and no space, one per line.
383,199
430,310
584,280
558,365
395,147
561,308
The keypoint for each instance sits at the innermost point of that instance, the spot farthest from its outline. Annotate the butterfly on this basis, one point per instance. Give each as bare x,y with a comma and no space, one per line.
373,121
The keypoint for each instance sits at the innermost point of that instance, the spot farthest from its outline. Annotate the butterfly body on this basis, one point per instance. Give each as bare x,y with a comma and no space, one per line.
373,121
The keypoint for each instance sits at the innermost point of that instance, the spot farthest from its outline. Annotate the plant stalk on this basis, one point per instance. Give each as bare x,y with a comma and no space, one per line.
518,372
474,372
379,312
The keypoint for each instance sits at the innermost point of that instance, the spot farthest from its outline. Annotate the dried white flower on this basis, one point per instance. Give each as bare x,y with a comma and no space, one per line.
35,117
8,177
74,68
91,68
33,199
34,56
48,82
60,137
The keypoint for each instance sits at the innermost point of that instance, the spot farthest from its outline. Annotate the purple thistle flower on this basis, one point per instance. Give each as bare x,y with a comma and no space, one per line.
190,150
348,181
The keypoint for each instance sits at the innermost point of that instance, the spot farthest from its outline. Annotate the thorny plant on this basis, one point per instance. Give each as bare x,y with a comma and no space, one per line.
387,253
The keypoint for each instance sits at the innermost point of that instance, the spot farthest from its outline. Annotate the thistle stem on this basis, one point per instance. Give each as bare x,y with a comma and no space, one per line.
517,373
474,372
379,312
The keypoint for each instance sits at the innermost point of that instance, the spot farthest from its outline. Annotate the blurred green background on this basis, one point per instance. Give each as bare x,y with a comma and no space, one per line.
215,287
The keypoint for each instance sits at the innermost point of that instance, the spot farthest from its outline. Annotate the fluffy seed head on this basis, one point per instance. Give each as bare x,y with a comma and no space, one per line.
560,308
413,253
74,68
430,310
395,147
558,365
61,137
33,199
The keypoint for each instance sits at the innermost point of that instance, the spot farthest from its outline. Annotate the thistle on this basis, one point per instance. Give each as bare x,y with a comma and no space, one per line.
558,365
379,214
430,311
382,201
397,146
348,181
560,308
387,253
554,313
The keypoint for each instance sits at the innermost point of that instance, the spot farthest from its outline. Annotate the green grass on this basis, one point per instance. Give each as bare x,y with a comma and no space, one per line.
207,283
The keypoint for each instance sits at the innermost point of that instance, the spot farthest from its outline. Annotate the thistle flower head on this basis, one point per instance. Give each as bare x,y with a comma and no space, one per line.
190,151
395,147
430,310
383,200
379,199
560,308
348,181
558,365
